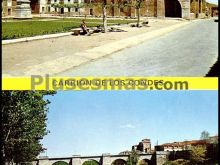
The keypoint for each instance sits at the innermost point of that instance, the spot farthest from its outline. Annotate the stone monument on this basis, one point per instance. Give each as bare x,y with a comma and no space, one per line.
23,10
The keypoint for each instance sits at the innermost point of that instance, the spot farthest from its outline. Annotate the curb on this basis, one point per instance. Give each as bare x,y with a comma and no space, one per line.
67,62
26,39
47,36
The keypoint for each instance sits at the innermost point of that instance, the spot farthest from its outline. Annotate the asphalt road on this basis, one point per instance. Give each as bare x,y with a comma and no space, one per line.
188,51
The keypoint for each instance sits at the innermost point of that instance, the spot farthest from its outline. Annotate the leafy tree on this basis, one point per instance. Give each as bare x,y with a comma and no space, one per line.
133,158
142,162
23,124
90,162
138,6
198,154
103,4
204,135
60,163
178,162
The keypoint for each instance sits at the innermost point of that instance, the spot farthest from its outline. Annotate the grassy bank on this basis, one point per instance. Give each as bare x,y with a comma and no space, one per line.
19,29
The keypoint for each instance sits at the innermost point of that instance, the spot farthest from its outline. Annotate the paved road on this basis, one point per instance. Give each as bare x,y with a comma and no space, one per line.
189,51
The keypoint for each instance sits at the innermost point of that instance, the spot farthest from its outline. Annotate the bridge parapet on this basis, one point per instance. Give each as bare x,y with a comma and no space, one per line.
157,158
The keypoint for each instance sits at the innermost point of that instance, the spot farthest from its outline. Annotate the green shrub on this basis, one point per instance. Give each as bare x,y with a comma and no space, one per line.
90,162
178,162
60,163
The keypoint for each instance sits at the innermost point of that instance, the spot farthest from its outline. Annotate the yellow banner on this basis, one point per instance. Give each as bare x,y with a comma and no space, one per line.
110,83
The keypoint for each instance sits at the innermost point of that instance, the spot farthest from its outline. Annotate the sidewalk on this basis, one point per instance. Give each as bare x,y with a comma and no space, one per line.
51,56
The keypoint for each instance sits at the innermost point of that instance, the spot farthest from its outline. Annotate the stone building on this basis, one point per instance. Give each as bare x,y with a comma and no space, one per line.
46,7
214,11
8,7
150,8
144,146
186,145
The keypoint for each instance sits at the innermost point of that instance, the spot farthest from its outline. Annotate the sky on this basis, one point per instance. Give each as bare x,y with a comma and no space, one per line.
213,1
97,122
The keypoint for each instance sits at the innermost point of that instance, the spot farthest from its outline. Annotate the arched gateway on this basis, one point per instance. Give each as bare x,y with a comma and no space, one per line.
173,8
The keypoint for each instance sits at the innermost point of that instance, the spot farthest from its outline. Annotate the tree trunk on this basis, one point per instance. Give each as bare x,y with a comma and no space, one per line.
138,17
104,13
104,18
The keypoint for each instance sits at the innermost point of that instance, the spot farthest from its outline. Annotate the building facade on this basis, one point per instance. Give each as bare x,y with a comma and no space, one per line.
144,146
149,8
186,145
8,7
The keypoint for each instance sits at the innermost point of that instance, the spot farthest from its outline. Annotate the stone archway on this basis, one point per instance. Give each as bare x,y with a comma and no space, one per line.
145,162
173,8
60,163
90,162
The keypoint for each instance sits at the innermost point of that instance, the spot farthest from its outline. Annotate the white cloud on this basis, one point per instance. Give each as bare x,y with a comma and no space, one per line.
127,126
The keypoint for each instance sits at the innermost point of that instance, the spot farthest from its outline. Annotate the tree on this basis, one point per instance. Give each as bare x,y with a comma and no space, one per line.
90,162
23,124
197,154
104,16
204,135
133,158
138,6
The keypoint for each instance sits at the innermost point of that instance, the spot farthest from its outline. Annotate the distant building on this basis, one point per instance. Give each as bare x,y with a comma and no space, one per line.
8,7
125,153
213,139
144,146
185,145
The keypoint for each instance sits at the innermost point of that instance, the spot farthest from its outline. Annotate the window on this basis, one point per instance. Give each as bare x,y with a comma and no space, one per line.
91,11
9,11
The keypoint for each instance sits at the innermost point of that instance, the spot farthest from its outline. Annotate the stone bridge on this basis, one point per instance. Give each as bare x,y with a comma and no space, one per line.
157,158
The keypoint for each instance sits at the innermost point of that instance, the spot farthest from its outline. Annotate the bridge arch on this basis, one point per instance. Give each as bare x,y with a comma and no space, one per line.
145,162
119,162
90,162
61,162
173,8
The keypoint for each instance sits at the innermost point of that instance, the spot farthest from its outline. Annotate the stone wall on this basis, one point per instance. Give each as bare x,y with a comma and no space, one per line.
8,7
185,5
150,8
161,157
